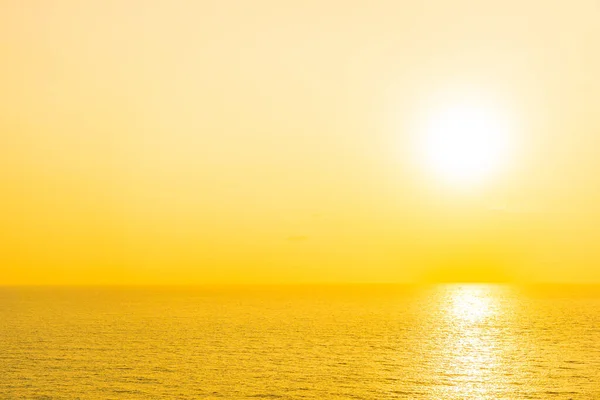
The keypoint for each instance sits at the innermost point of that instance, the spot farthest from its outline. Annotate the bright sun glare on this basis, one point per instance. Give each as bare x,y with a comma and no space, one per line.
464,143
471,303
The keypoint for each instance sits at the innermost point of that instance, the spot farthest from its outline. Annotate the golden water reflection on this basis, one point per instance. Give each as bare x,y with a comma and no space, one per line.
472,322
471,303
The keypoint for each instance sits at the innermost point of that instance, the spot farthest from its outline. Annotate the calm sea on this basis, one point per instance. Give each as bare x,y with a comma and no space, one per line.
320,342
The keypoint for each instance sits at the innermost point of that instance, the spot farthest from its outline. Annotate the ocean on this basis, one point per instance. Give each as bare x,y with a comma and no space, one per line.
300,342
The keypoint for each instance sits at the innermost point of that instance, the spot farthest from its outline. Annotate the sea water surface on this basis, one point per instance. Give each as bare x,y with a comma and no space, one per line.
304,342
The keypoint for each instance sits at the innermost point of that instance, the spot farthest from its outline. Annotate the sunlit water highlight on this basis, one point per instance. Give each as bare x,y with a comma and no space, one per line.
369,342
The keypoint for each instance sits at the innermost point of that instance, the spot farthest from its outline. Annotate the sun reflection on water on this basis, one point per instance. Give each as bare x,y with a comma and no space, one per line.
471,303
469,331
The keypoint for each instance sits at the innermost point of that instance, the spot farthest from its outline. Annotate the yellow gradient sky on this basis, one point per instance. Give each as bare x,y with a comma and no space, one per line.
272,141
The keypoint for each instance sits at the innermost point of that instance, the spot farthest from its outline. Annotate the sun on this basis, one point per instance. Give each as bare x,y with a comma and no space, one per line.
464,143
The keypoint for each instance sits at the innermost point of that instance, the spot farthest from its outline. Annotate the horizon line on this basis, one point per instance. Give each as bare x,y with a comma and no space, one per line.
272,284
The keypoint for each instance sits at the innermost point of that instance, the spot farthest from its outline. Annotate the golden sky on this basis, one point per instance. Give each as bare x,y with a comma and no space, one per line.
270,141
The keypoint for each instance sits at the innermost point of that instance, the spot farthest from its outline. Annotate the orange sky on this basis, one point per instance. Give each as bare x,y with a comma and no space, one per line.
267,141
